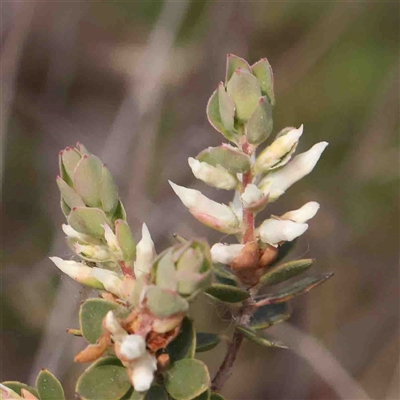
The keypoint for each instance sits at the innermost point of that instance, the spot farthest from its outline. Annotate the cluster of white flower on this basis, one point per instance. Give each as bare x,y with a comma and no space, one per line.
102,278
131,350
273,172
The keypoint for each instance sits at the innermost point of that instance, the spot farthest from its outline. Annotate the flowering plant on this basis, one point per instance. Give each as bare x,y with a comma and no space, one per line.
141,341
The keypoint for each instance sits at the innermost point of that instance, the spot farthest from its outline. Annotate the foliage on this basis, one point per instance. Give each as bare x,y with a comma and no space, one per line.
141,342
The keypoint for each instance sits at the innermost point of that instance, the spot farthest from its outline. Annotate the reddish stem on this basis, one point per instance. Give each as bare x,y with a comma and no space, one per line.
245,312
127,271
248,217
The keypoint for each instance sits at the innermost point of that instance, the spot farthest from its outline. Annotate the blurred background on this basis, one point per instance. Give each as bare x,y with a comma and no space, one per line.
130,79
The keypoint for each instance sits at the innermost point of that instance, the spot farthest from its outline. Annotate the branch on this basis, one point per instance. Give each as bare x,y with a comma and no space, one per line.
224,371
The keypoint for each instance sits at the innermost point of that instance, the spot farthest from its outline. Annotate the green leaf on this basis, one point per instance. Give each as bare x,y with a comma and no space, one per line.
48,386
206,341
17,386
224,272
261,340
163,303
204,396
186,379
216,396
228,294
91,316
125,239
82,149
302,286
244,89
156,392
285,271
269,315
137,396
88,221
71,198
260,124
68,160
233,63
226,281
214,116
184,345
229,158
263,72
106,379
119,212
87,180
165,273
64,208
108,191
226,108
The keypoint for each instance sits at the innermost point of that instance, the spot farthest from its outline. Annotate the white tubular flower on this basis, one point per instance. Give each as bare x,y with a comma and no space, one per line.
209,212
236,206
303,214
274,231
225,253
217,176
93,252
277,150
132,346
112,325
112,241
145,253
75,235
110,280
77,271
251,195
277,182
143,372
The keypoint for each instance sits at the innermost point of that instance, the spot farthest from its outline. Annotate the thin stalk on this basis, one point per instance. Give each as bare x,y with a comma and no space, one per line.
246,310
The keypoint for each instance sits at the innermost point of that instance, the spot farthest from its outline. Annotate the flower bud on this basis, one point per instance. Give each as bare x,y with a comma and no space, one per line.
213,214
93,252
303,214
68,160
143,372
113,326
110,280
280,180
77,271
145,253
108,191
163,325
245,91
253,198
111,239
280,151
132,346
185,268
85,181
225,253
217,176
260,125
75,235
274,231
